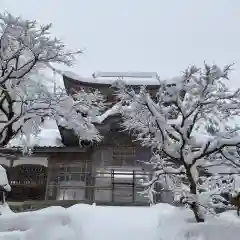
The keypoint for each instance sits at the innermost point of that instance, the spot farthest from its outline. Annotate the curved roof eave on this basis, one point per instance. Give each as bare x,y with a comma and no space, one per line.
90,81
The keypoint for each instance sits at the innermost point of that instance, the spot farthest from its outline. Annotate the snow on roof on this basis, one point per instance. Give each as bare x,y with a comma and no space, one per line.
100,74
150,79
49,136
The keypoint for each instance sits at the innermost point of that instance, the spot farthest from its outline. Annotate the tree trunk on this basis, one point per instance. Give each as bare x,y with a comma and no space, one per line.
195,208
2,197
193,190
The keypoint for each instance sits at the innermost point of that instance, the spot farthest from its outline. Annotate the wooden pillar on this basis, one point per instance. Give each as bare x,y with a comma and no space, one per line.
48,171
90,177
113,184
133,187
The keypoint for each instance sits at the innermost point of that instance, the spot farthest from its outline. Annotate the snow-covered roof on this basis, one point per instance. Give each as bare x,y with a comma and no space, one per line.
100,74
49,136
148,79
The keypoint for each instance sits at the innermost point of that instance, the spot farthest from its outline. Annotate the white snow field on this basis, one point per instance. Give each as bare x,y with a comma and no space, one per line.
89,222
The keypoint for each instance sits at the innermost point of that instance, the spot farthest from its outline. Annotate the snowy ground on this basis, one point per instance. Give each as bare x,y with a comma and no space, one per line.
85,222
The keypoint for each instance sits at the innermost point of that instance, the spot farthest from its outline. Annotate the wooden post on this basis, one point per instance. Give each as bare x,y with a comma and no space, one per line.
90,177
88,180
48,170
133,186
113,185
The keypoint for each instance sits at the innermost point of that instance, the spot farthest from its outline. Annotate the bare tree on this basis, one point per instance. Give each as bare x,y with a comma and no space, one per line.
177,122
26,48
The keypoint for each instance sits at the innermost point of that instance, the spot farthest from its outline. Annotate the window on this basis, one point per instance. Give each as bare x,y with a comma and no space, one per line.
123,156
71,172
61,177
76,177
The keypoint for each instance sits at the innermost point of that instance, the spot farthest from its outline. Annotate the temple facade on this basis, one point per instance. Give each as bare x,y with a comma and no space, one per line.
109,171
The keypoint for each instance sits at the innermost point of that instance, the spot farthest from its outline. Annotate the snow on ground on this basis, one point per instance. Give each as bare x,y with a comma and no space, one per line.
89,222
118,223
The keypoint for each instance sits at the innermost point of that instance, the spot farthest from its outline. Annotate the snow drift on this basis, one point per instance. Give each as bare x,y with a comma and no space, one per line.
89,222
53,223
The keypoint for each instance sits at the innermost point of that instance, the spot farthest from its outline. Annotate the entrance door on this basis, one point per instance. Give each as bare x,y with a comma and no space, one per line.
69,181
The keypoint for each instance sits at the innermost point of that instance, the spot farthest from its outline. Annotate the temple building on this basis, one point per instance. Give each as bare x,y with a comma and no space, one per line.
59,169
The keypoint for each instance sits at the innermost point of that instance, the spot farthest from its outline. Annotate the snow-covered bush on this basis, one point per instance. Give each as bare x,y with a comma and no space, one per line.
26,51
187,125
4,185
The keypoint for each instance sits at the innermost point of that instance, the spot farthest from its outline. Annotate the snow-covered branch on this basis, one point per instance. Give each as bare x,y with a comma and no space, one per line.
185,122
25,45
27,50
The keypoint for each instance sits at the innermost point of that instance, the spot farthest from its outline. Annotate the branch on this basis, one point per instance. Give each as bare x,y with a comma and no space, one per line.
229,159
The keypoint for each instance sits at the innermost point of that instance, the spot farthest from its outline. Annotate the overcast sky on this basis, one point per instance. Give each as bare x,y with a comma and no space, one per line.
141,35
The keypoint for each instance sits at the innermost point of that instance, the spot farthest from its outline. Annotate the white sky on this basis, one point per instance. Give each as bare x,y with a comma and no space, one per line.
141,35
